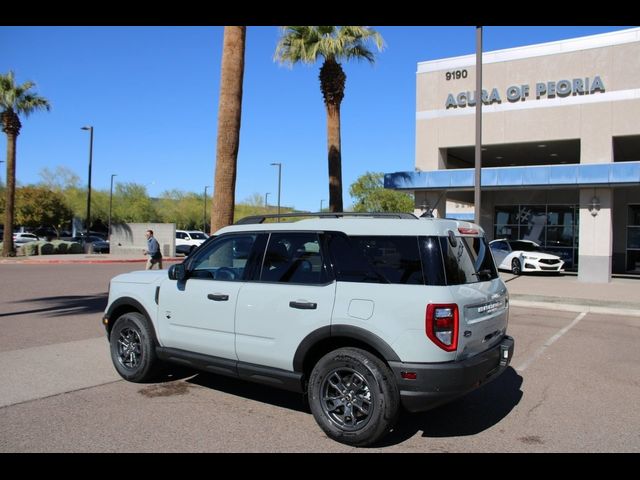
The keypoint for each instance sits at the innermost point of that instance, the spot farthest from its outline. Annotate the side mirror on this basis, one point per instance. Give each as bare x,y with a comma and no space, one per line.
177,272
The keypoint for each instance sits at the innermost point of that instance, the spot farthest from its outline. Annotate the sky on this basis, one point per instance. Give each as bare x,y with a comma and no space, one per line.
151,94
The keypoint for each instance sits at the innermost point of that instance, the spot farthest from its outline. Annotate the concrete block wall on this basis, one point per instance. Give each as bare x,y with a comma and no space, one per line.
129,239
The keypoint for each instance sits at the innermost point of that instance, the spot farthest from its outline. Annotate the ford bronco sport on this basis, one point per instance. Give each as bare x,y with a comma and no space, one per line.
365,314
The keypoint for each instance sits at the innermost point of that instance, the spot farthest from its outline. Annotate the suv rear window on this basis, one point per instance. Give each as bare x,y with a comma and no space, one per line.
469,260
411,260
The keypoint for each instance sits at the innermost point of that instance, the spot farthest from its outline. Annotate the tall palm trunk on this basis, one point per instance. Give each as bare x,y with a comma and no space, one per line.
332,83
229,112
335,158
11,126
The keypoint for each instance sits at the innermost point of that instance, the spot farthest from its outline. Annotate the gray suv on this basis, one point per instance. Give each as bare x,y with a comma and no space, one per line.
364,314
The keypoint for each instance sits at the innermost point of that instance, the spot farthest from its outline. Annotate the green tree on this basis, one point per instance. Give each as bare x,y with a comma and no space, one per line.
14,100
36,206
185,209
307,44
59,179
229,113
133,203
371,196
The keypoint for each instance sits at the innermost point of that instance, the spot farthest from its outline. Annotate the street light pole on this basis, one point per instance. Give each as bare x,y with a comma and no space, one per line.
266,202
478,149
87,226
204,223
279,184
321,201
110,205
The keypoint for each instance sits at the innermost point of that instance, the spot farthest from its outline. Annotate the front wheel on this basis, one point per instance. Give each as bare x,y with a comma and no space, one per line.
516,268
353,396
132,348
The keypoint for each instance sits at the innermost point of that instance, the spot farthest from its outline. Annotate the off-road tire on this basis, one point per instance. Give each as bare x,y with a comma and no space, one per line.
133,351
353,396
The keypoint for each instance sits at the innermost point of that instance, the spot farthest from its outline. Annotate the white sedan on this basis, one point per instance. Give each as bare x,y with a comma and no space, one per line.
520,256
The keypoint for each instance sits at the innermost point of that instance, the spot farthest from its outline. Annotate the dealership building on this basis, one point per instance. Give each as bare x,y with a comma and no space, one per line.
560,147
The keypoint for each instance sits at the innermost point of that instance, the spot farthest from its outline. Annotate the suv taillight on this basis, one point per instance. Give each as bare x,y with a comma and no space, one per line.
442,325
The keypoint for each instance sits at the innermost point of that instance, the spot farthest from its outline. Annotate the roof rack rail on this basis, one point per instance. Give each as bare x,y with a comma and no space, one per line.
261,218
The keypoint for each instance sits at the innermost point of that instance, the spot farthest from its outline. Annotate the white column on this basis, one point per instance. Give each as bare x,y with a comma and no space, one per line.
596,235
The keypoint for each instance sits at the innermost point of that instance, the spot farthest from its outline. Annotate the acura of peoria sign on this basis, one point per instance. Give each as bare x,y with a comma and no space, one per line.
520,93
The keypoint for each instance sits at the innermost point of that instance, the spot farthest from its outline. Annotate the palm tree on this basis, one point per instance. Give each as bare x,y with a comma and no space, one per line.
229,112
14,100
306,44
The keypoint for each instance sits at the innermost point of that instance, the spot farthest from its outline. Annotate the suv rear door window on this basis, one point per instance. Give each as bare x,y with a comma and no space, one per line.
293,257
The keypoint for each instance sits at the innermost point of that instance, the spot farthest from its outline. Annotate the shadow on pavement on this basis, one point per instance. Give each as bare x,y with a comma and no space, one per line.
65,305
252,391
471,414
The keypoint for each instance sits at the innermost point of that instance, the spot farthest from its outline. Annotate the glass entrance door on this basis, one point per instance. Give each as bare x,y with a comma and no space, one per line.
633,239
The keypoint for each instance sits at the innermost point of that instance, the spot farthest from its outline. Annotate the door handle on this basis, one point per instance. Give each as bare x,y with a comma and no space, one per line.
218,297
303,305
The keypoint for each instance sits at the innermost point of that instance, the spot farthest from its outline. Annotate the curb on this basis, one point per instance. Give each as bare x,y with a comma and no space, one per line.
84,261
568,307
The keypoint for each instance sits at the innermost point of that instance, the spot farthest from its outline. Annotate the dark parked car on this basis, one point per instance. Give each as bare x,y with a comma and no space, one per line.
99,245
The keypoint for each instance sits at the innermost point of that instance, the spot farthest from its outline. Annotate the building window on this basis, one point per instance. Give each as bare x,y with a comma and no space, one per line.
554,227
633,239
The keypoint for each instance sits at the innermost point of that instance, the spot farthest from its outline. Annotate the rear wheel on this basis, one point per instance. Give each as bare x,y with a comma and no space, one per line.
353,396
516,268
132,348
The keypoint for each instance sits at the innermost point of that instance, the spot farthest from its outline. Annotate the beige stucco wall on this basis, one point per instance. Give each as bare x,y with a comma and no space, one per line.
592,118
593,123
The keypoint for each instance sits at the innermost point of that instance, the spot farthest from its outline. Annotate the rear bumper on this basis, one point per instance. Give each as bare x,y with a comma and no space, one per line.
438,383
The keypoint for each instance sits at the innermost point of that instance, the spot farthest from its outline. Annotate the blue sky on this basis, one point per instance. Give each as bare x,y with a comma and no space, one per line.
151,94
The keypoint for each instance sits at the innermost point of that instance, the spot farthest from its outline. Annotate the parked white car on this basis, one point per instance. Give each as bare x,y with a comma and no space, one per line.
520,256
22,238
364,315
188,240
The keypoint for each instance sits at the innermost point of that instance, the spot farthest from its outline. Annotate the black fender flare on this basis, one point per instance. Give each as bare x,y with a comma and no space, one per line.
342,331
136,305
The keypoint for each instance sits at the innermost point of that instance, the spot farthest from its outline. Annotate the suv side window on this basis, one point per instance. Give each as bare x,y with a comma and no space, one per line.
224,259
349,263
293,258
377,259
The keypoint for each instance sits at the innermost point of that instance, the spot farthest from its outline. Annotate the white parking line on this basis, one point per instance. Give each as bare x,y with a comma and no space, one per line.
523,366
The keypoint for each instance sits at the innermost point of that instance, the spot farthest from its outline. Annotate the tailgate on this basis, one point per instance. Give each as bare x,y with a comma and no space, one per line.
483,316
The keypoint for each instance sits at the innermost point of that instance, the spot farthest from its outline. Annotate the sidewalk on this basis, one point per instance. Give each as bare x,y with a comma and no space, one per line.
563,292
82,258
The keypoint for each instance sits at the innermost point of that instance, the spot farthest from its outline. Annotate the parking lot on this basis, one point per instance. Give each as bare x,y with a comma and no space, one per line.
573,385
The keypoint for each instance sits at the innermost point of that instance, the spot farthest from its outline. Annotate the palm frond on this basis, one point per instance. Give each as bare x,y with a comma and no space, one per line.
306,44
17,98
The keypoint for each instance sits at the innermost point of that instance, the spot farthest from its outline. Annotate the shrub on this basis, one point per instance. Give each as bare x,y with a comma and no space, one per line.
45,248
74,247
60,246
30,248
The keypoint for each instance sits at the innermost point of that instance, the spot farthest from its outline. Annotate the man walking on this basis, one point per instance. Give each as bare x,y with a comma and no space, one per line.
153,250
